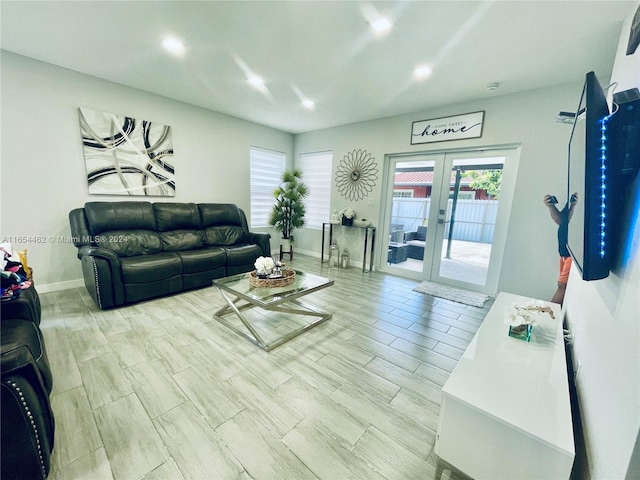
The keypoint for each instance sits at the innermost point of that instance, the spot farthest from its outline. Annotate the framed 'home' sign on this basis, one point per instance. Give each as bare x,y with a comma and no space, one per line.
458,127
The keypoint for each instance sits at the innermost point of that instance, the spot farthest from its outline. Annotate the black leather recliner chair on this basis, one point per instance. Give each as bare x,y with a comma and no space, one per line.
28,423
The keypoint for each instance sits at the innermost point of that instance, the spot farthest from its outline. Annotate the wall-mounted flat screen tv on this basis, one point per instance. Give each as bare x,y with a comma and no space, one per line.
588,181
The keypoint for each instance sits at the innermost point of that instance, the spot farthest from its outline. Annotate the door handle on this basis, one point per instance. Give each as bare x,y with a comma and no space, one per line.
441,221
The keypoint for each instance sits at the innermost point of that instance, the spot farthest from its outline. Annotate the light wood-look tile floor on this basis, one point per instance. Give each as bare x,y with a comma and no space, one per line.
160,390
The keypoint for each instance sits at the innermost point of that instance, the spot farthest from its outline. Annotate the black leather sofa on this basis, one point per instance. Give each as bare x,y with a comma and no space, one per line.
133,251
28,423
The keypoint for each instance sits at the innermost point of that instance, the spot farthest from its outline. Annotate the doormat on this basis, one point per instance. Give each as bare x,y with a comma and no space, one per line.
459,295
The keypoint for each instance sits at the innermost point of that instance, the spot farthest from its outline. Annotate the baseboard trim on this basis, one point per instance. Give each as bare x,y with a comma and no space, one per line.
306,252
55,287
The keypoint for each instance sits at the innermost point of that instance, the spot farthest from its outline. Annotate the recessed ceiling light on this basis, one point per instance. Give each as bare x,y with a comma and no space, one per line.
256,81
174,45
382,24
423,71
310,104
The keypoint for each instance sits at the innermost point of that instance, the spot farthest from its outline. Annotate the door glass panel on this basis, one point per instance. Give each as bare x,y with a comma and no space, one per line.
459,204
469,225
408,222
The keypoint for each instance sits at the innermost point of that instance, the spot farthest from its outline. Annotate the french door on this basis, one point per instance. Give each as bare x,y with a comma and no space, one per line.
446,215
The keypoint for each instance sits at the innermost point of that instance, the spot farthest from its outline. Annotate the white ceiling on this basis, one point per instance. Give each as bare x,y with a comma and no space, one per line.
325,51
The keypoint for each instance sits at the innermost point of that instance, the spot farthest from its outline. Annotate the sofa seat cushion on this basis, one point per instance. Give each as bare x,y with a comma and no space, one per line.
242,254
202,260
415,243
150,268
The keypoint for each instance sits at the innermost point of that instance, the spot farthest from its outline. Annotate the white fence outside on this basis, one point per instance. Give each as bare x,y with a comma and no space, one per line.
475,220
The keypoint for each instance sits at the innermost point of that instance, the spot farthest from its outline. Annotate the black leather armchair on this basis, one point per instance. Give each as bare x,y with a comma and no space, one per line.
28,424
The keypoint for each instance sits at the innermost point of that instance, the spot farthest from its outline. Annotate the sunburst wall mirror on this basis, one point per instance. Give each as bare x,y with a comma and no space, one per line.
356,175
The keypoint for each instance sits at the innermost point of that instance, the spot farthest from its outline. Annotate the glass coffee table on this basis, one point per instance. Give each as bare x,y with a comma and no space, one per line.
272,315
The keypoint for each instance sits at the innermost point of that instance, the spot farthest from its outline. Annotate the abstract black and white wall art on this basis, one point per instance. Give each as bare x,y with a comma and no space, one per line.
125,156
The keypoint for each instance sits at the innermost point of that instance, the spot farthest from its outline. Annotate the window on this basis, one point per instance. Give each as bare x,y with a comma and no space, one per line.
403,193
266,167
316,173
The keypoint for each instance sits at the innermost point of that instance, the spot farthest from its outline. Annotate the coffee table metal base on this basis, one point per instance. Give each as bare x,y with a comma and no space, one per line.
236,307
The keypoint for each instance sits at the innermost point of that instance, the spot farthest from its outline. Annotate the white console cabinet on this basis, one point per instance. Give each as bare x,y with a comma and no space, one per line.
506,411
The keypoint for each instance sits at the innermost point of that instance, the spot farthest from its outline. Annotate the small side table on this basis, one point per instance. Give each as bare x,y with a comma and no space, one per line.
397,252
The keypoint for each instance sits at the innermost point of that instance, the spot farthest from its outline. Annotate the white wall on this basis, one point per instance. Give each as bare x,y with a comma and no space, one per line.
43,177
526,119
43,170
605,320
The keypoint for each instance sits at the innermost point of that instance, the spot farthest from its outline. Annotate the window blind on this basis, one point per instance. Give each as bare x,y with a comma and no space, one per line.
316,173
266,167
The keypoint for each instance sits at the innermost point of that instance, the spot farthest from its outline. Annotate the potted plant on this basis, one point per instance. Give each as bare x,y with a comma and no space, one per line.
288,212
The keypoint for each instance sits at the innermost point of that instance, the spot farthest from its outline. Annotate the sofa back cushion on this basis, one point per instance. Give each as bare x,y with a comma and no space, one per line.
127,228
223,223
179,226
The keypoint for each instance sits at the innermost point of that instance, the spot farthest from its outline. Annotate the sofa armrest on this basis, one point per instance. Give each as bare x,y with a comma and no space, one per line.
27,427
101,269
260,239
109,255
27,419
25,307
410,236
79,229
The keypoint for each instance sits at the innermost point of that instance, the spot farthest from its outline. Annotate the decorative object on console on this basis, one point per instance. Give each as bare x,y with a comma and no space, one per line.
335,218
334,254
522,317
361,222
356,175
125,156
347,214
345,259
521,332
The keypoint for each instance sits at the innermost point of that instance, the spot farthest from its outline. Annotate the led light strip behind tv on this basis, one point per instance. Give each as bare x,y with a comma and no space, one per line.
603,186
